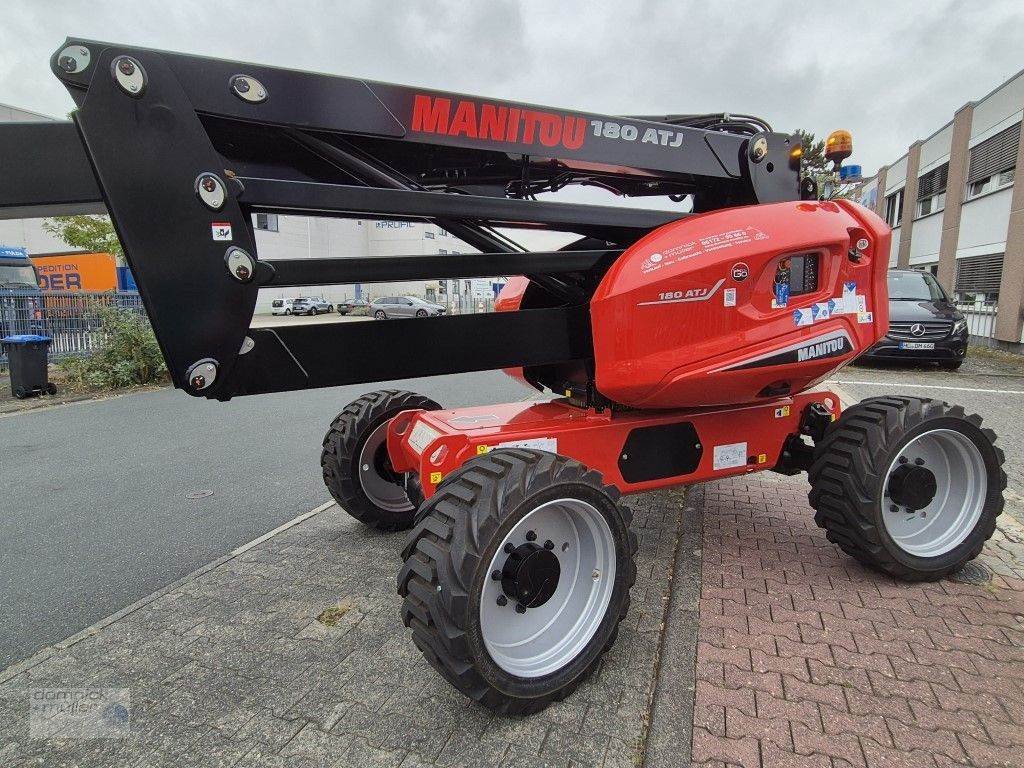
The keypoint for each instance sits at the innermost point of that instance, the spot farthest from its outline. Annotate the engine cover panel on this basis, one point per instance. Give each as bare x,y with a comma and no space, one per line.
741,304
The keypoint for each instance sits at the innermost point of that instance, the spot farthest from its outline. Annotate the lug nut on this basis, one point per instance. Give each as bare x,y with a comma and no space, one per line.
549,544
520,608
531,536
919,462
496,575
502,600
894,508
509,547
904,459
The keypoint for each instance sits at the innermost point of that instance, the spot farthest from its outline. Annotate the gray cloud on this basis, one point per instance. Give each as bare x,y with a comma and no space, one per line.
891,72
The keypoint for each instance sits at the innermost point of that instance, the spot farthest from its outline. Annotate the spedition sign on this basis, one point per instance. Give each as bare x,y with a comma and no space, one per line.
77,272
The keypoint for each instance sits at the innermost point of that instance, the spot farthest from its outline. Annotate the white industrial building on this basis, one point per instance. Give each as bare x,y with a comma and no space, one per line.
956,212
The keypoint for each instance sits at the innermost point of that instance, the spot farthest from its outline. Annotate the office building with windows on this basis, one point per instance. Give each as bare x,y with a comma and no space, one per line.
956,212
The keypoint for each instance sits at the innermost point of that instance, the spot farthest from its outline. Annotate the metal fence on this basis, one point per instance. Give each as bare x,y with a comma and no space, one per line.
70,318
981,317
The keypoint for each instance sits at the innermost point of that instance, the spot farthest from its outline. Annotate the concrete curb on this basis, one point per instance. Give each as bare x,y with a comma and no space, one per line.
668,740
42,655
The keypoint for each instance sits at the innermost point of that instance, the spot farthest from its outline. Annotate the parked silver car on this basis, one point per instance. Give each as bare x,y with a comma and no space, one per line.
307,305
403,306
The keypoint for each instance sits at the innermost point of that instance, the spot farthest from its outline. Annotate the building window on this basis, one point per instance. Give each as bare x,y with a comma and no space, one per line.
931,190
993,162
894,208
977,277
267,222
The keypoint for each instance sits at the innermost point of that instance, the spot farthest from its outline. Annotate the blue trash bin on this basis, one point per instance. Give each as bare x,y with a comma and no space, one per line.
27,356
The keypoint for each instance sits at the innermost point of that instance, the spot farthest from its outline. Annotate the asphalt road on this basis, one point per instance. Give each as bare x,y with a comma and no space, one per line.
992,388
99,508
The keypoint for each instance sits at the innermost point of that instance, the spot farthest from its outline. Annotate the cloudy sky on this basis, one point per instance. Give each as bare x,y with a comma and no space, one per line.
890,72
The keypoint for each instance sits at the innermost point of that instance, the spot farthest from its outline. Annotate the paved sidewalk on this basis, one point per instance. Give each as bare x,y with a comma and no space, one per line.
234,668
292,654
805,658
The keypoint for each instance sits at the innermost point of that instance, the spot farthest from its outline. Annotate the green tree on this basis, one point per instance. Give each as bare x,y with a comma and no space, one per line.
90,233
814,164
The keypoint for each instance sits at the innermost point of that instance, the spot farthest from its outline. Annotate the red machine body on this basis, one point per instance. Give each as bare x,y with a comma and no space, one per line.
741,304
634,451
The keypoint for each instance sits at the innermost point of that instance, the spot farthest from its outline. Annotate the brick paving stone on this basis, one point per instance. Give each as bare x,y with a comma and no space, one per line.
874,672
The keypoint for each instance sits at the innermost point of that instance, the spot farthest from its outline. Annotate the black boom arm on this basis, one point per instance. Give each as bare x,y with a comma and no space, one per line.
171,144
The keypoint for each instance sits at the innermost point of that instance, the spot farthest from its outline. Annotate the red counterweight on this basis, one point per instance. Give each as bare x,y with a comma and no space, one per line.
740,305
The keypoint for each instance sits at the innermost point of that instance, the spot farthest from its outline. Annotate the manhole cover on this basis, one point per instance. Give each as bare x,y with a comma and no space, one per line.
972,573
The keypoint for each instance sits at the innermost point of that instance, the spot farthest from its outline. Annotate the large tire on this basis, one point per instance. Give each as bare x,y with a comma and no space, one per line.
447,582
854,487
360,492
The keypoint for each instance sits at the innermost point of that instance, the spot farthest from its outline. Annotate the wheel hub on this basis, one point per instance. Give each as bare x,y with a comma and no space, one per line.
530,575
912,486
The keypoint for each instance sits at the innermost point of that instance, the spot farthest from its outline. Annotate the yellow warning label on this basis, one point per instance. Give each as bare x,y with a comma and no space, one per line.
480,449
568,393
435,478
762,458
782,412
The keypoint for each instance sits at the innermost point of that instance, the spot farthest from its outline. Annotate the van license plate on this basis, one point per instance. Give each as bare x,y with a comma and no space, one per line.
917,345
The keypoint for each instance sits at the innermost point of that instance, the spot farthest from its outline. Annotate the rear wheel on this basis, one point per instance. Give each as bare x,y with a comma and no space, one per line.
517,576
356,466
379,314
910,486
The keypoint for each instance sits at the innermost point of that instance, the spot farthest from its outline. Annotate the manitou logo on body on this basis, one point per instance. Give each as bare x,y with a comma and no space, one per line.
496,122
821,349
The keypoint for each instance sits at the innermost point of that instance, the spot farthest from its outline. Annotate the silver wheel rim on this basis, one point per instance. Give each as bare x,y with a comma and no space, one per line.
961,487
547,638
381,491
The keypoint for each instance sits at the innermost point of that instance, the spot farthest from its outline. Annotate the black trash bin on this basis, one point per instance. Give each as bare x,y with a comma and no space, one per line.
26,355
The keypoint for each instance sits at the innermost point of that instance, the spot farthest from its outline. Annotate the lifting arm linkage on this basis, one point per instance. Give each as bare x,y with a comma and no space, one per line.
153,125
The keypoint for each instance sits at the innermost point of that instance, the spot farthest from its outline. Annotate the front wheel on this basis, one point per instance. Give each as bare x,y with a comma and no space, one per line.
516,577
313,311
356,466
909,486
421,313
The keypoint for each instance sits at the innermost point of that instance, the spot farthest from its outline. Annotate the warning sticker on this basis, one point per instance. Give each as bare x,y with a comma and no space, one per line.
540,443
862,303
865,317
730,455
422,436
820,311
781,413
729,297
221,230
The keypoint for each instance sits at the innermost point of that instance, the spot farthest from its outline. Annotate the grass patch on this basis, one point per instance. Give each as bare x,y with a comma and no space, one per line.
332,616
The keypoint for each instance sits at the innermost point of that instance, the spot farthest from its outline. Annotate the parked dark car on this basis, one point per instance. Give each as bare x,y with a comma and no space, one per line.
305,305
354,307
924,324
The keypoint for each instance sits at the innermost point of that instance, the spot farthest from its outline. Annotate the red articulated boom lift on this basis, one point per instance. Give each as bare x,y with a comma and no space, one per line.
680,346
